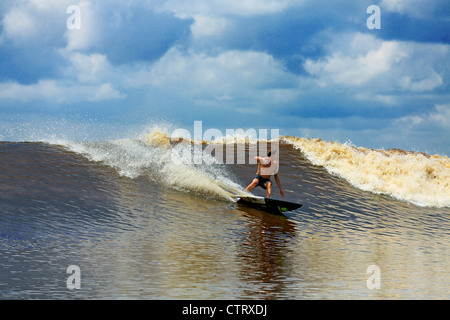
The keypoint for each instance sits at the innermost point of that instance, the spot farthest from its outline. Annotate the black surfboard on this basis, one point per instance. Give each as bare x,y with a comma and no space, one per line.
271,205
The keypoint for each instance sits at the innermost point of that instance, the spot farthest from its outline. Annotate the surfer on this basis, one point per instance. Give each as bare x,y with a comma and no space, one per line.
267,167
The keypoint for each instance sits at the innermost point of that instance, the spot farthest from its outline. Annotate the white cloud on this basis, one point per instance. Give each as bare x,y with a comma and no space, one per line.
397,5
45,89
50,5
415,8
441,116
383,98
19,24
86,68
87,77
438,118
245,8
365,61
52,91
211,17
232,74
432,81
87,35
105,92
346,69
28,20
205,26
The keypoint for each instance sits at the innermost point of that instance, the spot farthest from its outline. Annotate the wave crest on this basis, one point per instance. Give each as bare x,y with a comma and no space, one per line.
415,177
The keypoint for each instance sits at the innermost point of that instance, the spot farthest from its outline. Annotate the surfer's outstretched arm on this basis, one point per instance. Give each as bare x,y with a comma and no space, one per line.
277,180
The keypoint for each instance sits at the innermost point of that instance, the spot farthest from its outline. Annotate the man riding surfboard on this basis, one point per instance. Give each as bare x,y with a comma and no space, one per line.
267,167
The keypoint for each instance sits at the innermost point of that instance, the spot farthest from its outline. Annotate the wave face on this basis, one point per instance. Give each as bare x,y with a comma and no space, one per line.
408,176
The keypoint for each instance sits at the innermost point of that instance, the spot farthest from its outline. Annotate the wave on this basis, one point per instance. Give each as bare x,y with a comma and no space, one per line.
165,140
414,177
141,157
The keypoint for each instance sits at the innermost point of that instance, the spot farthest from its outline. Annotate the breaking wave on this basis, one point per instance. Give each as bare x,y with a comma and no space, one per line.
153,159
414,177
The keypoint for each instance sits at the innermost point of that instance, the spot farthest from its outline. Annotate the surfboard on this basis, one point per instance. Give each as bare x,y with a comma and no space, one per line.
267,204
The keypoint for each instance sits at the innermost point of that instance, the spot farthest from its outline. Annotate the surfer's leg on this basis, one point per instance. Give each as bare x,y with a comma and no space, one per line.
252,185
269,189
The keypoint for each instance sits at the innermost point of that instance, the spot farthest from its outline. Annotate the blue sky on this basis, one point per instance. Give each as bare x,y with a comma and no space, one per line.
308,68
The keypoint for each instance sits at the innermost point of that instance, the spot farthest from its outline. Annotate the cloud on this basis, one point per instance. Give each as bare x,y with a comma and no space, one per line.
104,92
18,24
403,6
30,32
285,29
35,22
356,70
415,8
439,117
126,33
382,65
415,20
431,82
88,34
234,74
52,91
87,68
225,8
205,26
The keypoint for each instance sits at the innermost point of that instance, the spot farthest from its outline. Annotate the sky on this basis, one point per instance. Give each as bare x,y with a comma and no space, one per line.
307,68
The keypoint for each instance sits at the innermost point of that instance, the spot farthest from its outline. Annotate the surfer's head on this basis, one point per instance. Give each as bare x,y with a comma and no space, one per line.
270,153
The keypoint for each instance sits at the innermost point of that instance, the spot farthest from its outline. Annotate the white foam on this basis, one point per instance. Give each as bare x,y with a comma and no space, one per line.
417,178
133,158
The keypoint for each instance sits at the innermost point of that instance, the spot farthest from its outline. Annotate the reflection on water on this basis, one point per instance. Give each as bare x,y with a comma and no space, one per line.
262,254
134,239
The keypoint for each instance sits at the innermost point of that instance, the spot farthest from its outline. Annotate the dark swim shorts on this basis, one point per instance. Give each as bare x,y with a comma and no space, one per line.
261,181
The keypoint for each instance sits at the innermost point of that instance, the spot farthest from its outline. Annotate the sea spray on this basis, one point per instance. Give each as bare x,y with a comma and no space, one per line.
134,158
